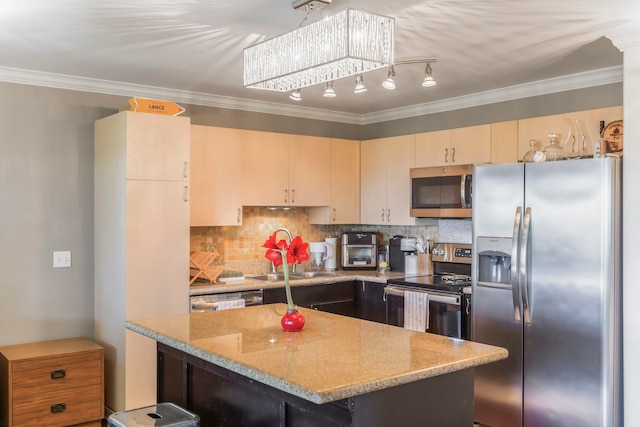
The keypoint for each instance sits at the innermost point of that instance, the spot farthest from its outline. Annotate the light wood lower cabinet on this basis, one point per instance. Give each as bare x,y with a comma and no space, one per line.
52,383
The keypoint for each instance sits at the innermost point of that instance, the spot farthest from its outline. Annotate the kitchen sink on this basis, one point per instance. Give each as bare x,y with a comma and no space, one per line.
274,277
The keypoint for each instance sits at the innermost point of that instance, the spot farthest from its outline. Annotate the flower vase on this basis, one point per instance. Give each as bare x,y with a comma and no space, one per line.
292,321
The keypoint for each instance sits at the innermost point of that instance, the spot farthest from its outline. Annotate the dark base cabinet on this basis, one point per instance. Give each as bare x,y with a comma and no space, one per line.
223,398
370,302
337,298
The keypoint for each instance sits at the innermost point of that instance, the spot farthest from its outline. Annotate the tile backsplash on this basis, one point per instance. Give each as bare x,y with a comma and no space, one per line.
240,247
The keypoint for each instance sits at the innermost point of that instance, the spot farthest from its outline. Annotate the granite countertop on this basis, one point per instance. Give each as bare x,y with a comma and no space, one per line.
333,358
248,284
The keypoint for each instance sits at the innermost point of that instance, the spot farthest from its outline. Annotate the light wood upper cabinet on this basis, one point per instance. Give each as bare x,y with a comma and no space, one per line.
345,186
157,147
385,183
471,144
285,170
459,146
570,127
504,142
432,148
309,171
216,176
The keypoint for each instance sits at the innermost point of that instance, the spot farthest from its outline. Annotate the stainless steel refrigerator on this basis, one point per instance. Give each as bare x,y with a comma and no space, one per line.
547,286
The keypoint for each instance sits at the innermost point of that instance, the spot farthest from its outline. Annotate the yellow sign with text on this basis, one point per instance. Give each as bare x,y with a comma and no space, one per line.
167,108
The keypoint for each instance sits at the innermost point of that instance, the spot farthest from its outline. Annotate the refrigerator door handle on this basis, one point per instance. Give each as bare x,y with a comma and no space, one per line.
515,288
524,271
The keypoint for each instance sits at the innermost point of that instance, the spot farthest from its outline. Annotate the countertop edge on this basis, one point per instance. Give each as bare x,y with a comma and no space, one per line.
319,396
249,284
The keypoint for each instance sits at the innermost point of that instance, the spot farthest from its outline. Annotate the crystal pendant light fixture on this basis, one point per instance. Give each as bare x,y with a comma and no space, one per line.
428,76
348,43
360,87
329,92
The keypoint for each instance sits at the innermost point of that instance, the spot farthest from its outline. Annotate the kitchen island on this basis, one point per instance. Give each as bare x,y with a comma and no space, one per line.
237,367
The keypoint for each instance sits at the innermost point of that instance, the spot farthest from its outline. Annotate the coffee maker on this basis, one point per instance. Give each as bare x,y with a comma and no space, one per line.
399,248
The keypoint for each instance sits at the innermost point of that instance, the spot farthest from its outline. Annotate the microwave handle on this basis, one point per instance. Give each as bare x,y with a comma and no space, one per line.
463,191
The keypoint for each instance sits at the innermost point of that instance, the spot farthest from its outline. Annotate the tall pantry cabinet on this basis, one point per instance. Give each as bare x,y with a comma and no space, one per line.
141,249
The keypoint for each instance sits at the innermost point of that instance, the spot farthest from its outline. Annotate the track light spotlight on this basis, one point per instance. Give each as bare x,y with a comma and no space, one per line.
390,83
428,77
360,87
295,95
329,92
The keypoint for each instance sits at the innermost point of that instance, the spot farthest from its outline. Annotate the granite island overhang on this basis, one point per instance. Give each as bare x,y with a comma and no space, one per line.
332,359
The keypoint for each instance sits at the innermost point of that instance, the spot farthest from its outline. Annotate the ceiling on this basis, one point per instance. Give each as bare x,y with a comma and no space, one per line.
190,51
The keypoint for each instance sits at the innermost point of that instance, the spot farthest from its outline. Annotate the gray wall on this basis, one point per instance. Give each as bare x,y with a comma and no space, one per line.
46,189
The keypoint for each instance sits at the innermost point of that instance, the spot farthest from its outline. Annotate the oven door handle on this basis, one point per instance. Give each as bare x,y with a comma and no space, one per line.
433,296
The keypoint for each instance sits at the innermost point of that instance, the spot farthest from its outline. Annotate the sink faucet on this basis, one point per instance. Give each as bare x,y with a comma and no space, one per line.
293,266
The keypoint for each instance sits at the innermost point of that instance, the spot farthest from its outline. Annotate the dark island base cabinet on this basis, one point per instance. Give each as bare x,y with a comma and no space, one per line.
370,302
337,298
223,398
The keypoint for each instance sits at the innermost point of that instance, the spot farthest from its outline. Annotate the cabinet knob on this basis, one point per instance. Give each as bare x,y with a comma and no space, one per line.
58,373
446,155
293,195
186,168
453,155
286,195
382,215
185,196
388,215
58,407
334,214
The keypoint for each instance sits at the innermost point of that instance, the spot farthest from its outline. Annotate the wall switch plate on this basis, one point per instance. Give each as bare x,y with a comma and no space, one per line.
61,259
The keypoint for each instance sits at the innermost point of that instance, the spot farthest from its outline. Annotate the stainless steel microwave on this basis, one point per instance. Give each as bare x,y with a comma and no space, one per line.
441,192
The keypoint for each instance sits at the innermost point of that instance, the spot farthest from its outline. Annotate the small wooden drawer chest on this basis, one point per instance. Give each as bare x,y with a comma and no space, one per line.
52,383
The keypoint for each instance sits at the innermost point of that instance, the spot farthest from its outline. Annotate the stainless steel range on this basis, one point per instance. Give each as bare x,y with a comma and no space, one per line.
447,293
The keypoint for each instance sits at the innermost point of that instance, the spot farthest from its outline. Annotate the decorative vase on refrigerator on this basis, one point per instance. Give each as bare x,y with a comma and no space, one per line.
546,286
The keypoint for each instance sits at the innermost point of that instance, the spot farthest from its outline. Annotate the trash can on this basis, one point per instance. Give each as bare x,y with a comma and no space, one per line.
160,415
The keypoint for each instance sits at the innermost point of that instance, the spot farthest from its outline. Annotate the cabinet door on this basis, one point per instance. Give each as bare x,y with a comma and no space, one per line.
470,145
309,170
265,169
157,147
433,148
157,274
345,186
370,301
157,234
504,142
400,159
373,182
216,176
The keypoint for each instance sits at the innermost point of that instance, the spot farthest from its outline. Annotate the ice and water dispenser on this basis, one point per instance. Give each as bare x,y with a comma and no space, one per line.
494,259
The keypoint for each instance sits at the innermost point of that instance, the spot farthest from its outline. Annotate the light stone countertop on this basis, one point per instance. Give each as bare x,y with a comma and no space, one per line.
248,284
334,357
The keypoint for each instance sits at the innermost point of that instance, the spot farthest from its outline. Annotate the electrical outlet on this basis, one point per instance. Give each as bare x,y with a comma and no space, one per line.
61,259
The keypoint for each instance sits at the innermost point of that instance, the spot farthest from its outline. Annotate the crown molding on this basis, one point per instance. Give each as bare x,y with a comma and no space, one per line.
582,80
542,87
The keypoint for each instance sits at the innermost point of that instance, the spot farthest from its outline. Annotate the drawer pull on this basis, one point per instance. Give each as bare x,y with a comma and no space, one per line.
57,374
58,407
